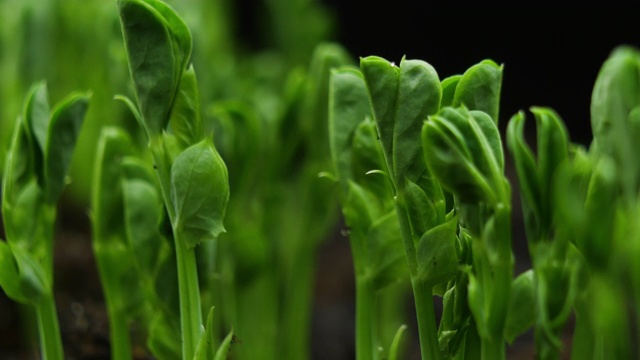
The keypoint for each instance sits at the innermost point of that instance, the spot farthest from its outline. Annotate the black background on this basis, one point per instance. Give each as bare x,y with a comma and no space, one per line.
551,52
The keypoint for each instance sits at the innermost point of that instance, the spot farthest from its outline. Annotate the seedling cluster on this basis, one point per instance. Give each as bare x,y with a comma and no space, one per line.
416,165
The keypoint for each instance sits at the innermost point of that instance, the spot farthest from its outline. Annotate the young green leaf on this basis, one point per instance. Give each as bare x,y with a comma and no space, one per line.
464,152
18,174
158,47
479,89
10,275
449,86
528,176
66,122
425,209
207,343
367,162
199,193
450,161
37,116
225,347
436,253
394,349
402,98
521,316
142,215
601,207
348,107
186,123
315,107
106,200
385,254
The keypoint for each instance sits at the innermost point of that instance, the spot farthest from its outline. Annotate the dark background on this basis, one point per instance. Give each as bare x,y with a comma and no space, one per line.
551,52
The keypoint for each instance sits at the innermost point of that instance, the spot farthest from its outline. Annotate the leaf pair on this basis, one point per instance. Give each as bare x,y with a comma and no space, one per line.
401,98
35,176
537,176
44,141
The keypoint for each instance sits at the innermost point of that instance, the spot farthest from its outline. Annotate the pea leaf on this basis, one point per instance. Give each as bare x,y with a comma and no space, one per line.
207,344
107,205
522,301
34,280
366,157
10,275
528,176
142,216
186,122
449,160
536,178
19,171
315,109
464,152
402,98
66,122
601,207
394,349
424,211
479,89
199,193
449,86
385,252
158,46
37,118
225,347
436,253
348,107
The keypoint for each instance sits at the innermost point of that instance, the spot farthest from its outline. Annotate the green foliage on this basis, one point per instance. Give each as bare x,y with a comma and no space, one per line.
199,193
35,176
417,164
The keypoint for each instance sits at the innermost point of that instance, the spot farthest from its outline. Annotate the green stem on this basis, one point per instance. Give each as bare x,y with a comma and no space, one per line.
189,294
426,316
365,314
492,349
423,297
48,329
119,334
297,309
188,287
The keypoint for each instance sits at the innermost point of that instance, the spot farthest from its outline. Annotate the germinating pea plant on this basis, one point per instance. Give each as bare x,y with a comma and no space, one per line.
206,215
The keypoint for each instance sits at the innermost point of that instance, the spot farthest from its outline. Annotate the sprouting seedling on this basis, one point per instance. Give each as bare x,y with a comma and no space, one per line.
34,179
402,97
192,176
554,260
367,203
